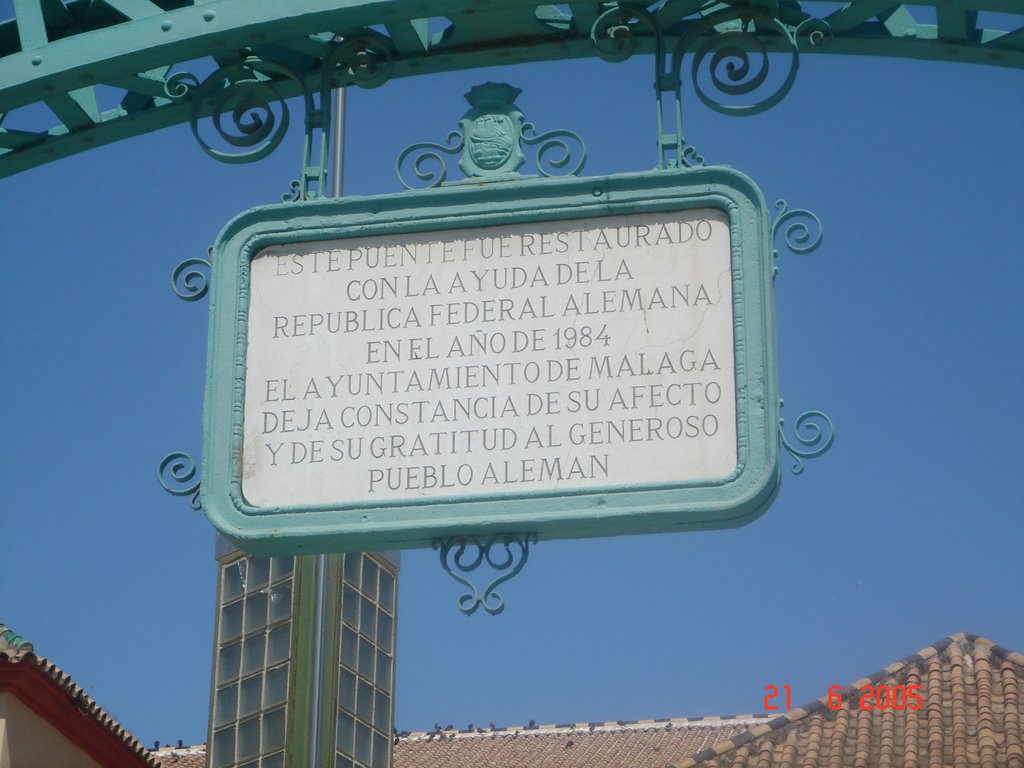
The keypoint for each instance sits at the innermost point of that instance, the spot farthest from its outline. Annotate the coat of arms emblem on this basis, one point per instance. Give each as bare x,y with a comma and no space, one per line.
492,131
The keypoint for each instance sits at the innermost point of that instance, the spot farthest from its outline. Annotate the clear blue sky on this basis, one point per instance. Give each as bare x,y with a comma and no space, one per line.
905,327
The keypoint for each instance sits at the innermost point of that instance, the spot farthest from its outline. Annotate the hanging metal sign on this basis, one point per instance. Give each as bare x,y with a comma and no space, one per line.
565,358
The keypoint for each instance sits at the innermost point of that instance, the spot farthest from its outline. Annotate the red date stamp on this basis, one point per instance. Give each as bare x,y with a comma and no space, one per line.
869,697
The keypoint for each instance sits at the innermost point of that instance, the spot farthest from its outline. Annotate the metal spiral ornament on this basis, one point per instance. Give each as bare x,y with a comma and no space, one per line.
246,92
613,32
191,279
817,32
801,230
814,434
180,86
365,58
506,553
176,473
737,59
564,143
690,158
428,164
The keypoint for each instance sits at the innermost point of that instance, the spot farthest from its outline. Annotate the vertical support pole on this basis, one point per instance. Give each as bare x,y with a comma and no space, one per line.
320,590
338,142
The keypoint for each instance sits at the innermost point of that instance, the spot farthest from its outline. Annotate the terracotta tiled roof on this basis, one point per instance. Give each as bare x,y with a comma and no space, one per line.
181,757
636,744
973,699
972,717
15,650
639,744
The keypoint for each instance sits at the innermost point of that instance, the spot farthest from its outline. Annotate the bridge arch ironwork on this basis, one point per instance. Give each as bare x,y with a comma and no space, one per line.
153,59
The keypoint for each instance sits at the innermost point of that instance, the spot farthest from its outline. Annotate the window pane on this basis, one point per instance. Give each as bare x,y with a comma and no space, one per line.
385,629
381,711
223,747
366,658
228,659
273,731
230,622
252,654
233,582
352,568
255,611
277,761
225,708
280,601
383,670
364,702
380,751
349,647
259,573
342,762
347,690
277,687
346,732
362,743
367,616
350,607
277,644
387,591
251,696
249,739
281,567
369,585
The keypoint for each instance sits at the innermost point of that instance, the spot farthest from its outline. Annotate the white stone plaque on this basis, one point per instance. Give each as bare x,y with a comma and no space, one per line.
541,357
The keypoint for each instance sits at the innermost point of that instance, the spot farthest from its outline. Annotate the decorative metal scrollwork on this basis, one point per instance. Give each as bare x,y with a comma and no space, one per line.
738,63
561,141
490,144
176,473
729,50
613,32
247,93
245,102
191,279
366,59
180,85
513,552
813,431
802,231
817,32
428,162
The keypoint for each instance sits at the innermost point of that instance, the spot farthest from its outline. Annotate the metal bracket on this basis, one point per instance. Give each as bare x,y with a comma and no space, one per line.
177,474
729,61
453,552
249,92
491,140
813,431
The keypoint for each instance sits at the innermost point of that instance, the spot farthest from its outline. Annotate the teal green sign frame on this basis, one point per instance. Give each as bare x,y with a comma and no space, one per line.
628,508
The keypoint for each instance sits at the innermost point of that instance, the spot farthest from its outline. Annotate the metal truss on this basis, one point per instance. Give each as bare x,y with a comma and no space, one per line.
97,71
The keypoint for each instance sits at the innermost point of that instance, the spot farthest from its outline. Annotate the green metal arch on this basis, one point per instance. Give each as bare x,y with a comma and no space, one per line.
65,56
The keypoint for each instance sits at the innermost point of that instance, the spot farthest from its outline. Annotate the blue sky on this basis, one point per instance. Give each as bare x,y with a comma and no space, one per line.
904,327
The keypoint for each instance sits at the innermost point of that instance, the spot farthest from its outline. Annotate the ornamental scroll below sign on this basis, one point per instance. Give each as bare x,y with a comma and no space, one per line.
578,357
